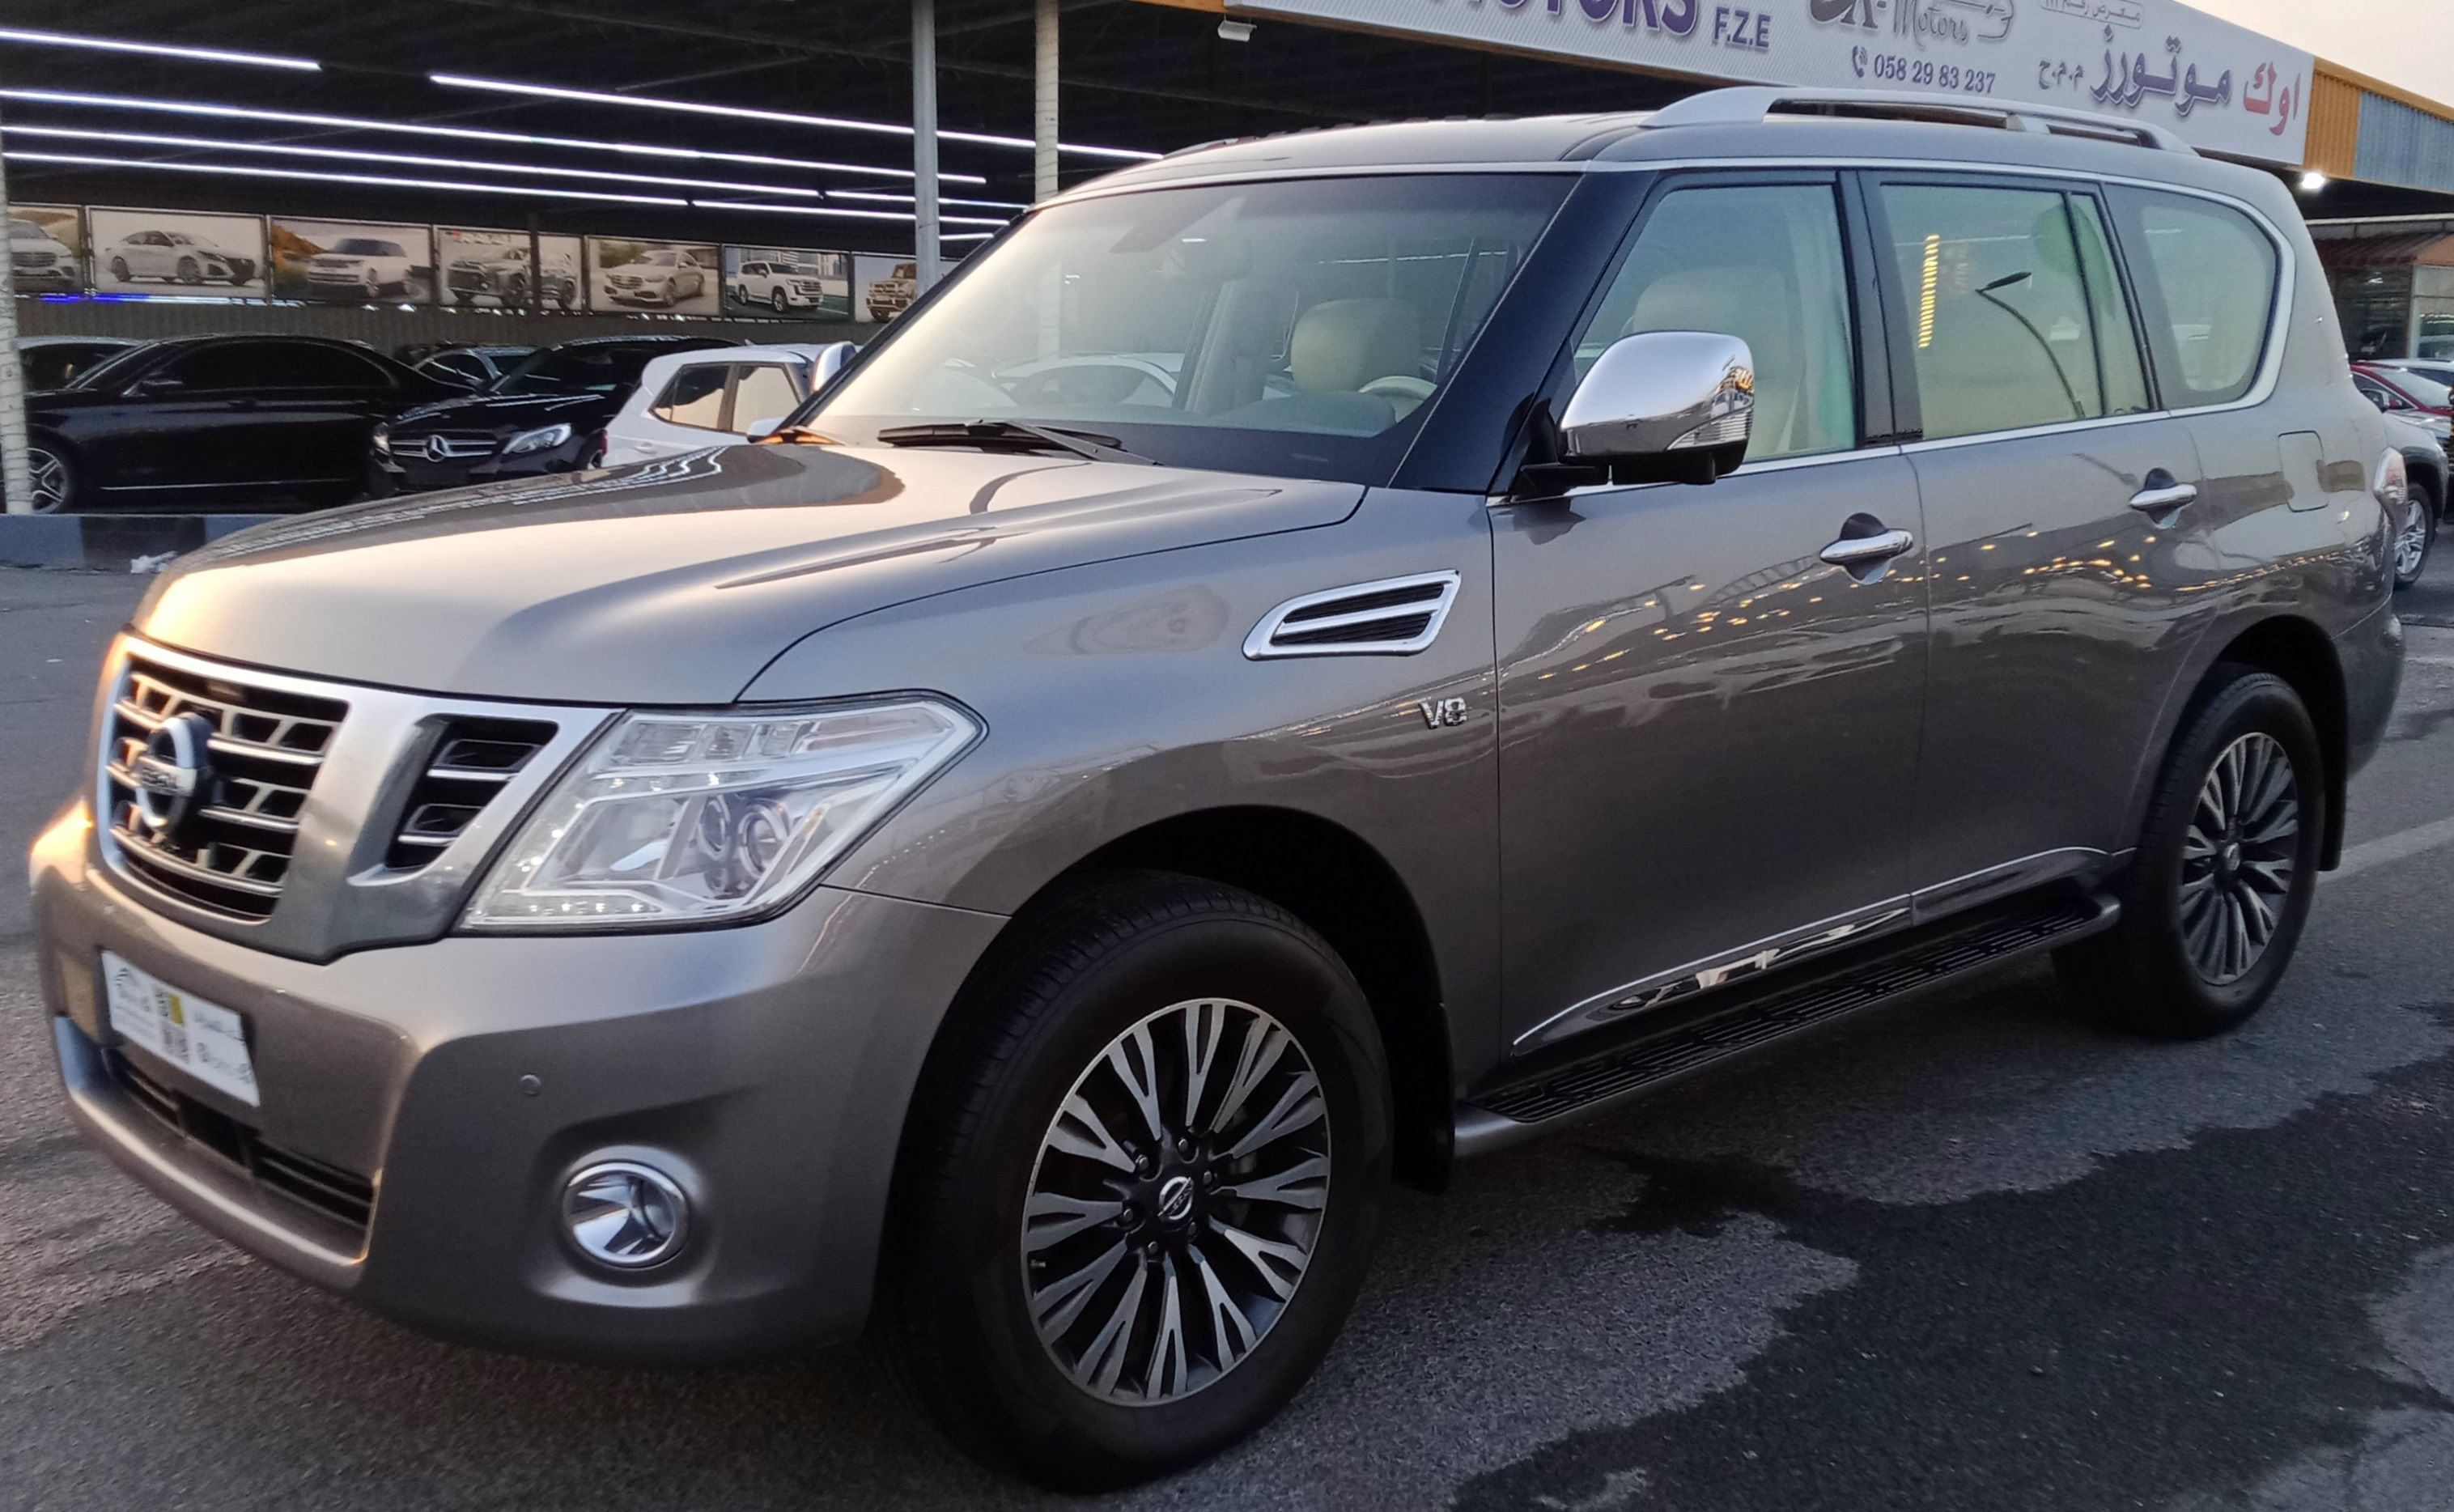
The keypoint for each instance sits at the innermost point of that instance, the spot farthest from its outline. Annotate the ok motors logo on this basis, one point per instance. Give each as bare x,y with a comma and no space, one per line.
1671,17
1921,21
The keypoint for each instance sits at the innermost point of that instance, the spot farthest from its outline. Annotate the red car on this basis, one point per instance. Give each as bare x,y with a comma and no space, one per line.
2399,391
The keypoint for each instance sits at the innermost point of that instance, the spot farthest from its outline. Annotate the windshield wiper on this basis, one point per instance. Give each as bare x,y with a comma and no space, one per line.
1020,433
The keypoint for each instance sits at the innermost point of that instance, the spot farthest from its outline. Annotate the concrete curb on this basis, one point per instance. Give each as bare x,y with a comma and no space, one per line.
111,543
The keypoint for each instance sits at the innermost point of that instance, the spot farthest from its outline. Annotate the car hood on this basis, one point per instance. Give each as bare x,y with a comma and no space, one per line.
675,581
489,412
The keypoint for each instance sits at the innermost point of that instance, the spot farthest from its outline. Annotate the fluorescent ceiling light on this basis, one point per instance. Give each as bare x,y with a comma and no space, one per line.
908,199
327,176
402,159
463,133
61,39
904,215
743,112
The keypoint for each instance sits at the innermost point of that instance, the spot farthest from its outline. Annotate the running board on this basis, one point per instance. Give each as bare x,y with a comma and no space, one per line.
1522,1108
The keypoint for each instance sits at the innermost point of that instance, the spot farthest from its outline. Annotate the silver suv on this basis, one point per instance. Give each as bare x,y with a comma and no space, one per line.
1308,660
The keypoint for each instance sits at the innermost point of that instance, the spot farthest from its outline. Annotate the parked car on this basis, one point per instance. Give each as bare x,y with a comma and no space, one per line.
41,263
2402,393
360,268
472,365
687,401
1021,879
49,362
661,275
890,297
175,256
547,414
2423,456
507,276
217,422
2436,369
785,287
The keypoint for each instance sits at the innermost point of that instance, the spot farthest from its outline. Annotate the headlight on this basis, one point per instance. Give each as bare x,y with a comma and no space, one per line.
545,438
383,440
689,818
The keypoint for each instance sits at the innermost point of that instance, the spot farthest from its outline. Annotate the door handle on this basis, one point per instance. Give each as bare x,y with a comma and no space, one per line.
1857,551
2162,492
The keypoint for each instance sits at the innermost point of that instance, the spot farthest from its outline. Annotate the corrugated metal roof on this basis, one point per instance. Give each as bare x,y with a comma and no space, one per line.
2400,145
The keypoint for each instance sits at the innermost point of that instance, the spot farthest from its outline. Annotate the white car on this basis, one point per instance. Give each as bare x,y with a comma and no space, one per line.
41,261
786,286
688,401
663,276
176,256
359,268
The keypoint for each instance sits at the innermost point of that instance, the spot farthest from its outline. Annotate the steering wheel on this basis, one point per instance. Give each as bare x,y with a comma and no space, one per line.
1399,386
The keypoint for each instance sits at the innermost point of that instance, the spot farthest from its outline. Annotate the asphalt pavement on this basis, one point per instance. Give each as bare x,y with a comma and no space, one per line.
1968,1255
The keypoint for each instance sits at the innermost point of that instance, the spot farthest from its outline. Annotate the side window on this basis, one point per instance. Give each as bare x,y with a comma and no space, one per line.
2015,317
304,365
764,391
226,367
457,365
695,396
1764,263
2215,273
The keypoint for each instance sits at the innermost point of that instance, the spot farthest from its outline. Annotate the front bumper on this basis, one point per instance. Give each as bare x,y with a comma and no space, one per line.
767,1067
396,474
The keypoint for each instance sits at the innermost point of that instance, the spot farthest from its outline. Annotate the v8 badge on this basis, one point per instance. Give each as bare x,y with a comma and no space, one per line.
1439,713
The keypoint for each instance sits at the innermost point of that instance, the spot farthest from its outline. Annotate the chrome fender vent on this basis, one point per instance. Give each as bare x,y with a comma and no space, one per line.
1394,616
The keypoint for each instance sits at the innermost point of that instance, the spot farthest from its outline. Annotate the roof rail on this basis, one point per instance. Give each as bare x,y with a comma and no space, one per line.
1749,103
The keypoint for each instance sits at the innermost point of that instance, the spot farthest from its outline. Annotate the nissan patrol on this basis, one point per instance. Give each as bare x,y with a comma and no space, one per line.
1019,868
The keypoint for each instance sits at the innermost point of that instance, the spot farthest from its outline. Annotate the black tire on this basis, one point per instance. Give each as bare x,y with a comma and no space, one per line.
190,273
955,1322
775,300
119,270
2148,974
568,295
515,293
2415,538
462,296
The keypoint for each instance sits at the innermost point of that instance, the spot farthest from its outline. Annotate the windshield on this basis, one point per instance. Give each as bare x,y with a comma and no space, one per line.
26,231
566,369
110,369
2422,390
361,247
1299,328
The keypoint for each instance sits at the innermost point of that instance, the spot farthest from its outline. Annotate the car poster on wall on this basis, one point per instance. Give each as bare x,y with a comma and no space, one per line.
359,262
626,276
500,269
883,288
177,254
46,247
791,282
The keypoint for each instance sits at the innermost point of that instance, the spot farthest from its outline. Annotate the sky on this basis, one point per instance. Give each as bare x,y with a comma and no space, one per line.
2409,43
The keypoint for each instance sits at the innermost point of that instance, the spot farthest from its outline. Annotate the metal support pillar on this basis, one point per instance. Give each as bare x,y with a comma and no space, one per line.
16,476
1043,100
926,245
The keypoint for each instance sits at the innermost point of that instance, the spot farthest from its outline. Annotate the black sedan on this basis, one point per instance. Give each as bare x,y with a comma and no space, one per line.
547,414
217,422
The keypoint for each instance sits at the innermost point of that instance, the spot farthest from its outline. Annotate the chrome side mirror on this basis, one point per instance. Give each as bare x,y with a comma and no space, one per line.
832,358
1664,405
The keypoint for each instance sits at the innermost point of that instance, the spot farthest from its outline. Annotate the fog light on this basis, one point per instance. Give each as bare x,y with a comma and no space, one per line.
625,1214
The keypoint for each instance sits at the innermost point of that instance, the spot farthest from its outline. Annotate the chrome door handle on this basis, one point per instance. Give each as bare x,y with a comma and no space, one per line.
1857,551
2162,491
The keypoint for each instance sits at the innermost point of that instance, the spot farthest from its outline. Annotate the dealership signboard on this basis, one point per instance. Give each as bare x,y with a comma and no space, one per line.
177,254
46,245
357,261
2219,86
507,270
792,283
625,277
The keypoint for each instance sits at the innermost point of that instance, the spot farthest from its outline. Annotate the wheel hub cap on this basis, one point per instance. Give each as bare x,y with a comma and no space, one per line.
2240,859
1176,1200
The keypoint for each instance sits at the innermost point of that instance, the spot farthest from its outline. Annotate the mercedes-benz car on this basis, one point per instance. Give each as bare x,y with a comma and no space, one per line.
40,262
1020,871
661,275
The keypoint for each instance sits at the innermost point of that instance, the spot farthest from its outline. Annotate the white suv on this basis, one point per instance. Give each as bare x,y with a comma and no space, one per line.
781,287
688,401
360,267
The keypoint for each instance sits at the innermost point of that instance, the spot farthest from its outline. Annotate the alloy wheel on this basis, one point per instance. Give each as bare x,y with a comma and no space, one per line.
49,473
2411,546
1176,1201
2238,857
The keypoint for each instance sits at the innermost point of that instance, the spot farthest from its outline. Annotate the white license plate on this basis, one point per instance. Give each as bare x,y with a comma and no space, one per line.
203,1039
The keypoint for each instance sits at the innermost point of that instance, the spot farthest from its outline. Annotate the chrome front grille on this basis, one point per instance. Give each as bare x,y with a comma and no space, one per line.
441,446
230,851
473,760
